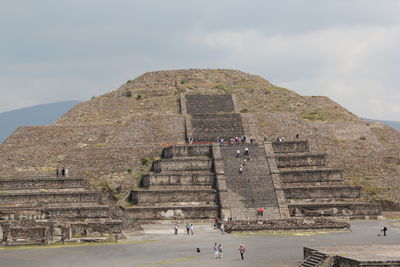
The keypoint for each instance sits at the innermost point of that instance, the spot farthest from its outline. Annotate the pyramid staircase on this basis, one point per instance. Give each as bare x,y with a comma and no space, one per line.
254,188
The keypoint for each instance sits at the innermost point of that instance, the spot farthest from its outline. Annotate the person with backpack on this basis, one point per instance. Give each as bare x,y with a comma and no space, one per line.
384,229
220,250
242,250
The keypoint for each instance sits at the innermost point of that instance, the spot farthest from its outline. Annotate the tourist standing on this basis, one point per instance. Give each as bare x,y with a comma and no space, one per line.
222,228
216,250
220,250
63,172
191,228
238,153
383,230
58,172
187,228
242,250
66,172
176,229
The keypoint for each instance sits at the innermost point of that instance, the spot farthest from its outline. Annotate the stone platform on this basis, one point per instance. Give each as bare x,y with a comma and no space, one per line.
353,256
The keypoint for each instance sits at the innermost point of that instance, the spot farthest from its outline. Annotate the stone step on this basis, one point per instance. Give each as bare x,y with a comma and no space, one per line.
187,172
300,160
182,164
290,146
41,182
310,175
174,204
47,197
187,151
177,180
318,192
173,212
161,196
28,212
312,184
42,190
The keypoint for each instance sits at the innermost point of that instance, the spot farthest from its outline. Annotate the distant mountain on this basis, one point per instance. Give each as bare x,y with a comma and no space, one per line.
393,124
36,115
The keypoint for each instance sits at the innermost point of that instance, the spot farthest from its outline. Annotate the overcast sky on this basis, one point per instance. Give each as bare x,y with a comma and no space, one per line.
75,49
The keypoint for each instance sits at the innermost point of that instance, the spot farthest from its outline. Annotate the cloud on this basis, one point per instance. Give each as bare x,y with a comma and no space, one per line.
358,62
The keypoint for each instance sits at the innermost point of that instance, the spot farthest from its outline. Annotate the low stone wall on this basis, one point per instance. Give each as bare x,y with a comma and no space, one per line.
300,160
173,213
287,225
187,150
48,198
41,183
290,147
162,196
306,176
323,192
336,209
176,179
182,164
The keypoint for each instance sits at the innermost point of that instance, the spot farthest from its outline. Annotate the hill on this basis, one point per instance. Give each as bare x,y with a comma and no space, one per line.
112,139
36,115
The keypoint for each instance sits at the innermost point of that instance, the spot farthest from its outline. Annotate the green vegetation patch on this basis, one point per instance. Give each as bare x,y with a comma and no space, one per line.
314,115
222,87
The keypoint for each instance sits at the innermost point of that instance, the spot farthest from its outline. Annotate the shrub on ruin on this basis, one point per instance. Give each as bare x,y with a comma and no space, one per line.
221,86
145,161
127,94
184,80
244,110
138,96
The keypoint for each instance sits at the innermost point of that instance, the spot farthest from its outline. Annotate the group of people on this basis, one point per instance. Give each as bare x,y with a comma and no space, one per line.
218,251
64,172
219,225
189,228
236,140
246,158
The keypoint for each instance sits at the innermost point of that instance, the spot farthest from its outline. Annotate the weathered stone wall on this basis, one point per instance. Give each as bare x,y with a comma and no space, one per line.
173,213
41,183
165,196
287,225
330,192
209,104
353,210
47,198
186,151
309,176
150,130
300,160
211,127
188,180
290,147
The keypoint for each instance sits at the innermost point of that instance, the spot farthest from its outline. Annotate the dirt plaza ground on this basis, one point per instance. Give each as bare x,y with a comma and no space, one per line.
157,246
